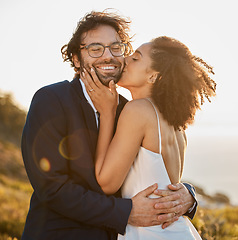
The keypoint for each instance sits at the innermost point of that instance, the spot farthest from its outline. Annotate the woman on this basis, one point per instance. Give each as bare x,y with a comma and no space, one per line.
167,83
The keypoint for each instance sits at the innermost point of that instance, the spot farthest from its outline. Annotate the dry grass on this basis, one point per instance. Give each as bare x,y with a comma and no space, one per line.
15,192
217,224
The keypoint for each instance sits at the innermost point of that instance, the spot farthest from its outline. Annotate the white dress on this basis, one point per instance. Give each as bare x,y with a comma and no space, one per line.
147,169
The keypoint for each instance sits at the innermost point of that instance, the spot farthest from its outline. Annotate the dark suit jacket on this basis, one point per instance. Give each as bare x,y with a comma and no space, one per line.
58,147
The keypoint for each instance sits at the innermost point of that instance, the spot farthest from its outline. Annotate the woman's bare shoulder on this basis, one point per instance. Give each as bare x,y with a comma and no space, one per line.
136,111
139,106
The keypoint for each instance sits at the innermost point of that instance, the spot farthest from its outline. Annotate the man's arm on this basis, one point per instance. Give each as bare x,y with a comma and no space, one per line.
192,210
48,169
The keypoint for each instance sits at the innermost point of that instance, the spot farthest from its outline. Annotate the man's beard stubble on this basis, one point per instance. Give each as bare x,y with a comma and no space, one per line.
105,79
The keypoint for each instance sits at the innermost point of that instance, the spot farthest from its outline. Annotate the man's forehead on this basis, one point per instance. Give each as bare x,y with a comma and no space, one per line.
102,34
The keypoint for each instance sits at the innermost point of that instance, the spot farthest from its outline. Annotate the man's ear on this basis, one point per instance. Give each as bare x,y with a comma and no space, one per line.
153,77
76,61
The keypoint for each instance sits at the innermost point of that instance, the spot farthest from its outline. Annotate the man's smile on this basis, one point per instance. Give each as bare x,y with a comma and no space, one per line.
107,68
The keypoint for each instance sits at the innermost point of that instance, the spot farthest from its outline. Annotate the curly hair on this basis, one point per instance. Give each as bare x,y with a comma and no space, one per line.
182,83
91,21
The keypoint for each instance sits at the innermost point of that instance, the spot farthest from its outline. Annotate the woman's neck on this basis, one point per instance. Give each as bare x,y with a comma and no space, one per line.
138,93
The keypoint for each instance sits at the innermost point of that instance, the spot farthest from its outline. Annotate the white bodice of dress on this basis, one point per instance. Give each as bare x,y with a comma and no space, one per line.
149,168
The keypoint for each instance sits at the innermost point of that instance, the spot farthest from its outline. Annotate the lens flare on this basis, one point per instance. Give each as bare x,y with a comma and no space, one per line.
44,165
70,147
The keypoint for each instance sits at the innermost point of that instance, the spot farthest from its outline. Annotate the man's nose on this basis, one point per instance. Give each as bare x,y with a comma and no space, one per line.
107,54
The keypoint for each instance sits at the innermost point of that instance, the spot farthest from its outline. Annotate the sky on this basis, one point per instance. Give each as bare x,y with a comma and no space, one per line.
33,32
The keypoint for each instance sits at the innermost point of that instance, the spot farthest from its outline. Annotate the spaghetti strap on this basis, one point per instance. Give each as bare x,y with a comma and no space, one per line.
160,145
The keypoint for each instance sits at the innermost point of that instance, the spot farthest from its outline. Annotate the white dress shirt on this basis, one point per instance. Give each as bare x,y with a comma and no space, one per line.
89,100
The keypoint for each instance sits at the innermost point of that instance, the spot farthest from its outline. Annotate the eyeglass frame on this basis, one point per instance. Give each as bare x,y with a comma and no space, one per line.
108,46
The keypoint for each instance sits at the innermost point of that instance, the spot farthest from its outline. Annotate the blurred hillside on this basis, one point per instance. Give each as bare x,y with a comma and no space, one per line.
215,219
12,119
15,189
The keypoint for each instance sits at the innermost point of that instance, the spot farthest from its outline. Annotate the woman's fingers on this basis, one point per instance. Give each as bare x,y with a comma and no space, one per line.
92,79
95,79
112,87
84,78
92,82
105,99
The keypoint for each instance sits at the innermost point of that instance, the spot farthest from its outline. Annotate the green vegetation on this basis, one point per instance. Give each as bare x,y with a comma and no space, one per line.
15,190
12,119
217,224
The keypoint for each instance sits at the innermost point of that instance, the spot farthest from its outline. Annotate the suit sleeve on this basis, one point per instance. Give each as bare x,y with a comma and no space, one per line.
191,212
49,173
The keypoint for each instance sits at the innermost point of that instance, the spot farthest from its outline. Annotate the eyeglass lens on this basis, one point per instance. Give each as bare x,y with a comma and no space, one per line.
97,50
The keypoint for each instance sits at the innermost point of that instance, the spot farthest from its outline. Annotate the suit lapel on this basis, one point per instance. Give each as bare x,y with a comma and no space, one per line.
88,113
122,102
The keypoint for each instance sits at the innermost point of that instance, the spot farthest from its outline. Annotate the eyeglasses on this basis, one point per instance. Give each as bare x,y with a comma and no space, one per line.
96,50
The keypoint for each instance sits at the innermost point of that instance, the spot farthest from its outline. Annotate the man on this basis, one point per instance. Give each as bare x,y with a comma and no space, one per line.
58,146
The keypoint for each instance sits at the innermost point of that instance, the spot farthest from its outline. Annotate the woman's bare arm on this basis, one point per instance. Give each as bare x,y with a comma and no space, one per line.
113,167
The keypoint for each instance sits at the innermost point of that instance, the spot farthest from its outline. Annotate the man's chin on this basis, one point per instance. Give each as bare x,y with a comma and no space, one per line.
106,79
106,82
